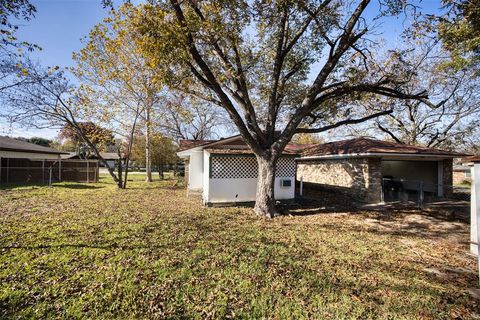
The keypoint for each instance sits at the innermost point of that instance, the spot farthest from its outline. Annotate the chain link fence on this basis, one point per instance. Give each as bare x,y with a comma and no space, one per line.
34,171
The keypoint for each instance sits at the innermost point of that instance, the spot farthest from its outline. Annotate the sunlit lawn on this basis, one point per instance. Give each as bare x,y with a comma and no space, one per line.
92,251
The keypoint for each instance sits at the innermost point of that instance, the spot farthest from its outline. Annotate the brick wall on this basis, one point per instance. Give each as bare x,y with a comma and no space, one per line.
358,177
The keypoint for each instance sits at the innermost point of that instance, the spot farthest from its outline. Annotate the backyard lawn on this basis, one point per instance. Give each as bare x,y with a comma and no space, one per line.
92,251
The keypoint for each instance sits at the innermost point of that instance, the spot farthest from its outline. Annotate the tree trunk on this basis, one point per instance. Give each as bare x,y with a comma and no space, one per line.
148,147
129,149
120,173
265,200
160,170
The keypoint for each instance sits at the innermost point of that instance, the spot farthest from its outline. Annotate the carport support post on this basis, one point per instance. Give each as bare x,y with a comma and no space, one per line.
301,186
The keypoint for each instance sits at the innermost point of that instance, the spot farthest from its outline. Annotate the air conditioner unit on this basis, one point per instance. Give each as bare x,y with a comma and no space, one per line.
286,183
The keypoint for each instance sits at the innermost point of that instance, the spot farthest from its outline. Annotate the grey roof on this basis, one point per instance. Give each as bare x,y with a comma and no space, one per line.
69,155
110,155
9,144
105,156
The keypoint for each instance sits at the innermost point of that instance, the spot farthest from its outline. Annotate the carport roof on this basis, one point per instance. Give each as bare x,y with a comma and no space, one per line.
365,146
10,144
472,159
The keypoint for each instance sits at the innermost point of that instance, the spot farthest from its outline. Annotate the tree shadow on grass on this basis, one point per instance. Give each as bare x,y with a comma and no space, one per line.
79,186
28,186
102,246
437,221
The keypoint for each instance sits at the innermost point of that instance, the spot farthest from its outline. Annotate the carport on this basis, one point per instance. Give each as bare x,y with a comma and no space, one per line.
426,173
373,171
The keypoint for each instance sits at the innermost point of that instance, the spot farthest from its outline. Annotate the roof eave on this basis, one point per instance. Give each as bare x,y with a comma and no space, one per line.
381,154
32,151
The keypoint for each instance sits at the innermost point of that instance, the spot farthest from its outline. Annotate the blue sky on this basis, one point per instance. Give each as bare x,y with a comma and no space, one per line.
60,24
57,28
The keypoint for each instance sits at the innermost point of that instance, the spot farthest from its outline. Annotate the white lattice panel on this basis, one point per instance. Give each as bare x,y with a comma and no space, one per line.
228,167
285,167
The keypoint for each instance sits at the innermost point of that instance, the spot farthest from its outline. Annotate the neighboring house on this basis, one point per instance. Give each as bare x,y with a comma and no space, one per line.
12,148
111,158
461,174
225,170
22,162
361,167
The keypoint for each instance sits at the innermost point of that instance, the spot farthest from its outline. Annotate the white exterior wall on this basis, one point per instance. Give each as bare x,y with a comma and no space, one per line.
206,176
475,209
195,173
244,190
225,190
28,155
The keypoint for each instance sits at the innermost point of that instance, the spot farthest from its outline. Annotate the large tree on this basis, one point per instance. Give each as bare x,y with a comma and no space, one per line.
47,99
100,137
127,89
163,152
276,67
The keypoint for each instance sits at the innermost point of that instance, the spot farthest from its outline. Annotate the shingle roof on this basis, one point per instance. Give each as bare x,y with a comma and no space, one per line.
188,144
9,144
472,159
296,148
105,156
219,146
365,146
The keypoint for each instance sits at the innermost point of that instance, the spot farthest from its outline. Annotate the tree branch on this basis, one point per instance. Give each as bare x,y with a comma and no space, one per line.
342,123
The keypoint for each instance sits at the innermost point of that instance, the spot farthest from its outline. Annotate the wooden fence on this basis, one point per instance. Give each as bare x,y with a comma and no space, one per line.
19,171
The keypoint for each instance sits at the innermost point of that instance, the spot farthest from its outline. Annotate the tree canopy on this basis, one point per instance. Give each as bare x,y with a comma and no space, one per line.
98,136
459,30
11,12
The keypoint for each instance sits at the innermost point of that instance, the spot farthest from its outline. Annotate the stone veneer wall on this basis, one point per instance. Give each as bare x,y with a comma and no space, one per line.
459,177
187,171
358,177
447,177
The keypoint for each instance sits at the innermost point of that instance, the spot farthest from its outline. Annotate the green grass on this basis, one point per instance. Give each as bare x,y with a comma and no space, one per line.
93,251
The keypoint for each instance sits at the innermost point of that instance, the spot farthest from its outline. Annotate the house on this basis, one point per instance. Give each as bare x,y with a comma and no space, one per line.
13,148
22,161
365,168
225,170
461,174
111,158
474,164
